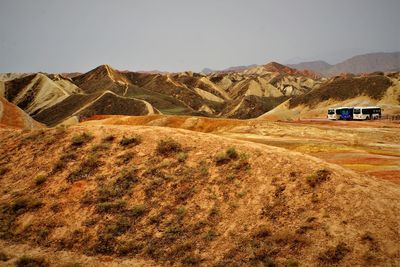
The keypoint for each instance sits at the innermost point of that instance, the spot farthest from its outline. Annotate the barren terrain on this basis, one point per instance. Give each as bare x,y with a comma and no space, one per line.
123,191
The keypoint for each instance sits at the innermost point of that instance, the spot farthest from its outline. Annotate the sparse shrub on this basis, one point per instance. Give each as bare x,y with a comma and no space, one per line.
101,147
68,155
181,156
127,141
3,256
191,259
168,146
262,232
213,212
173,232
129,247
243,162
85,168
232,153
40,179
79,140
181,212
25,204
87,199
27,261
4,170
55,207
221,158
58,166
108,139
138,210
73,264
124,182
43,233
111,207
125,158
105,244
118,228
291,263
104,194
62,162
210,235
334,255
226,156
318,177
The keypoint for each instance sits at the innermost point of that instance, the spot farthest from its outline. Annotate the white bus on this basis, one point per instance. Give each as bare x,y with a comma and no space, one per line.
333,113
367,113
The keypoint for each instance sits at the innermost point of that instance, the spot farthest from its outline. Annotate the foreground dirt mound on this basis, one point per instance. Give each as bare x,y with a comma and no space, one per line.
174,197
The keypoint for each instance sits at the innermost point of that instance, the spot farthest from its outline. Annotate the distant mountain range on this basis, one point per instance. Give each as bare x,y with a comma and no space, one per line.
365,63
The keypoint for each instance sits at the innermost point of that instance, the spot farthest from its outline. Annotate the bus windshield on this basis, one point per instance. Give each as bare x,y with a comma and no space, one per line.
331,111
356,111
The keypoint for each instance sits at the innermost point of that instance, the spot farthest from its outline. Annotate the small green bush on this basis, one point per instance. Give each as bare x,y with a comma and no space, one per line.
40,179
119,227
3,256
291,263
138,210
111,207
232,153
58,166
85,168
226,156
126,141
101,147
68,156
4,170
181,156
318,177
168,146
125,158
334,255
108,139
79,140
25,204
124,182
210,235
27,261
191,260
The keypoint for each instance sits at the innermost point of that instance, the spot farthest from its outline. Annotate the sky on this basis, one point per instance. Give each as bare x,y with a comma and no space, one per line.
178,35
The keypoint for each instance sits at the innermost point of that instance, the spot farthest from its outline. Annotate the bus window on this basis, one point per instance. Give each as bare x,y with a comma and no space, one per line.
356,111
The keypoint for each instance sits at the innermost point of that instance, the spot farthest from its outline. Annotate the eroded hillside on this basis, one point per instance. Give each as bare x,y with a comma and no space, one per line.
173,197
54,99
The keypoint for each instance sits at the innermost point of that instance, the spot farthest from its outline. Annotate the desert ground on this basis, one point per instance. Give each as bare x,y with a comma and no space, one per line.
370,147
163,190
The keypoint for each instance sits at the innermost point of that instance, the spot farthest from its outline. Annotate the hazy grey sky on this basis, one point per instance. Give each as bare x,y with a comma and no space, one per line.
176,35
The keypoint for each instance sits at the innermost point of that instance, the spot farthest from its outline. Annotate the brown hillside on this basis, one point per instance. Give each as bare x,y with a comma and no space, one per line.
175,197
344,88
13,117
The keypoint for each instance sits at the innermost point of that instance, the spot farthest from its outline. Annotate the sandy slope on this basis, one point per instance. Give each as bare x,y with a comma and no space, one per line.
14,117
368,147
251,211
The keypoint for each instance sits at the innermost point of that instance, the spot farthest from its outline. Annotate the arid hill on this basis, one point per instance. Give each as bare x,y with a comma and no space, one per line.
244,95
247,93
13,117
367,90
145,196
